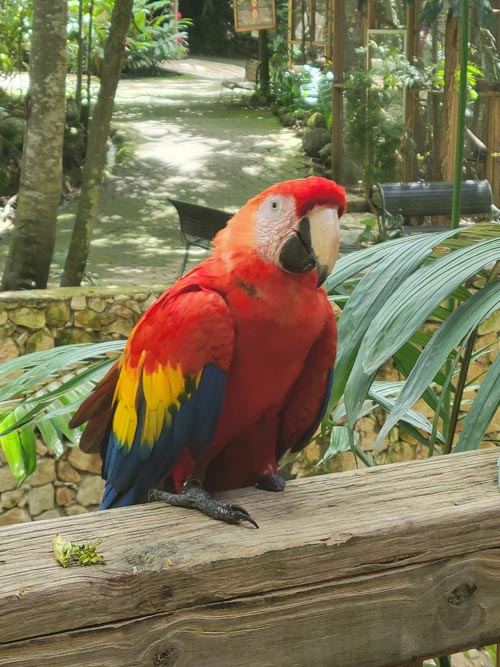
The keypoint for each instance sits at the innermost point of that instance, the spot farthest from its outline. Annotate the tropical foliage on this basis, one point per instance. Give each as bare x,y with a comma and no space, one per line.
416,301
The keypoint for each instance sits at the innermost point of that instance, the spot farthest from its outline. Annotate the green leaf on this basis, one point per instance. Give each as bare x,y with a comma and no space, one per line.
19,446
339,442
51,437
458,326
370,295
350,265
12,448
408,308
410,417
481,410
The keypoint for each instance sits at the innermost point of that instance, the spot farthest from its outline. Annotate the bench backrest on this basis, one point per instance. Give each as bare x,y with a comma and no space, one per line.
434,198
200,221
252,70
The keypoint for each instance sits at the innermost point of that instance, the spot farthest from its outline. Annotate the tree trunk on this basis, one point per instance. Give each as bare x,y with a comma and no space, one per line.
76,259
33,238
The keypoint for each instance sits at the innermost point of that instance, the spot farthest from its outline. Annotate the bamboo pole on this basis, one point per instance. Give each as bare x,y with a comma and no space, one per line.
462,100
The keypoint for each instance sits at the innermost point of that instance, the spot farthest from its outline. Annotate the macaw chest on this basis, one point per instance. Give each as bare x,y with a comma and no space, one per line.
272,342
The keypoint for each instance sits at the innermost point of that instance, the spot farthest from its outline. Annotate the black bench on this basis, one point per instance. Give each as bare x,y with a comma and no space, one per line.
252,72
199,225
397,203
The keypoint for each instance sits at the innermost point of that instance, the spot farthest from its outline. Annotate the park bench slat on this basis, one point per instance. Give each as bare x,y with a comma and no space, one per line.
398,202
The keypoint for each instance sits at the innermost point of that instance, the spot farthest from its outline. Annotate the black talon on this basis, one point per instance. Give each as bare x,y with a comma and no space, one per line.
273,482
242,515
194,496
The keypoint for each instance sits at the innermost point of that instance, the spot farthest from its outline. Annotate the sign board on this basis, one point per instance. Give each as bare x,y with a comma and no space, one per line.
254,15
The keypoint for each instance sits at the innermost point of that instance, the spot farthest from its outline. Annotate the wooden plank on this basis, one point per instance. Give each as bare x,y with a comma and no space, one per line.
374,567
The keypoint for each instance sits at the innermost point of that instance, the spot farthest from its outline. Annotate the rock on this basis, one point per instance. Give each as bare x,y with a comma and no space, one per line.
21,340
491,325
41,340
70,336
66,472
7,481
287,119
90,491
149,301
45,473
78,302
29,318
8,349
73,510
50,514
123,311
65,496
314,140
316,120
57,314
41,498
88,319
97,304
86,462
11,498
41,449
13,516
3,317
120,327
133,306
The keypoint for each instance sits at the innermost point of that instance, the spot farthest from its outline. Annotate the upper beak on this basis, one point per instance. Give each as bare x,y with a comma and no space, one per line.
315,244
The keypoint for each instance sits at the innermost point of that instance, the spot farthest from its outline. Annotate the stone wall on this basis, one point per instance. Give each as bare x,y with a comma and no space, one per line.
38,320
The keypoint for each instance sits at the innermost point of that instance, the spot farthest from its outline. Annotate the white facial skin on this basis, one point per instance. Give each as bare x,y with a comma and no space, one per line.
276,222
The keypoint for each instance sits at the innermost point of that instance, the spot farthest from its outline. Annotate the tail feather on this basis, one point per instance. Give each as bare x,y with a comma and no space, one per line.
113,498
96,409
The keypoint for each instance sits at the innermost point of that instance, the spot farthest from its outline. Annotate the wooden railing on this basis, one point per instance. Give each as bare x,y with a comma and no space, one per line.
368,568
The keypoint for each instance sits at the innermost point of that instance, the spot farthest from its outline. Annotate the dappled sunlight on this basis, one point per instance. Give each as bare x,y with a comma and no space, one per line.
187,138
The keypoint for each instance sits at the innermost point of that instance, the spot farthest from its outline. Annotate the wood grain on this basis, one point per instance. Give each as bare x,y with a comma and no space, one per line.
375,568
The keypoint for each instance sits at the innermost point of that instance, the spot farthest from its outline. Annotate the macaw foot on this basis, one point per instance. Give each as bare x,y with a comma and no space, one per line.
272,482
194,496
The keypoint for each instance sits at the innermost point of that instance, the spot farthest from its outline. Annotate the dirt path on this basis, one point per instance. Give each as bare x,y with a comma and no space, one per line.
190,138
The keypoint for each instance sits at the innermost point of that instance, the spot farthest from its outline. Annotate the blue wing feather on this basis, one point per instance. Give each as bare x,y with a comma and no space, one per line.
130,473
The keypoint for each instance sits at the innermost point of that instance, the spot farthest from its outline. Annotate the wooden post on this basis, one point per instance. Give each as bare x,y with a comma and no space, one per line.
338,92
264,63
450,101
338,559
493,144
411,95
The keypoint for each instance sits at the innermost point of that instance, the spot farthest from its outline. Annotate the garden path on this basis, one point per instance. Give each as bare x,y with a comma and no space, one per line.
188,137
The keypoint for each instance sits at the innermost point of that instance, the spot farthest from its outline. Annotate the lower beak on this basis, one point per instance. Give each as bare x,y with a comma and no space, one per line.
315,245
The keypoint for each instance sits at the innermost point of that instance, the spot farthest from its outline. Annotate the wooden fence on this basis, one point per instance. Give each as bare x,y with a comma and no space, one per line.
369,568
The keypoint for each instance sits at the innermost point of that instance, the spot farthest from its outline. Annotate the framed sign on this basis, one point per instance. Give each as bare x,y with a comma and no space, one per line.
254,15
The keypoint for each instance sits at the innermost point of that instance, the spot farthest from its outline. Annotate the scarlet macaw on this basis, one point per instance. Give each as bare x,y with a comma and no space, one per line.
231,367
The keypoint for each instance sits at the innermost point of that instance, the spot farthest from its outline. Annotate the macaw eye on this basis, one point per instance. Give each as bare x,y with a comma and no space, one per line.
275,205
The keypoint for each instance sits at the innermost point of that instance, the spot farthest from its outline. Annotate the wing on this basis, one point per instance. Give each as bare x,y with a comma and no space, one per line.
306,404
169,392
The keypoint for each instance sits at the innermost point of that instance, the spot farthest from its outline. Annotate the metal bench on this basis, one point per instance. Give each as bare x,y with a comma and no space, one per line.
252,71
198,225
397,203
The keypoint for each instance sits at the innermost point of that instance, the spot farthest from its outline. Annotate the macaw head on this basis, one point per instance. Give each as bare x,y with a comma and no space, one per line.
293,225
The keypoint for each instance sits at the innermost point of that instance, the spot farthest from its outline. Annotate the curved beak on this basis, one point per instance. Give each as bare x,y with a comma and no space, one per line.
314,245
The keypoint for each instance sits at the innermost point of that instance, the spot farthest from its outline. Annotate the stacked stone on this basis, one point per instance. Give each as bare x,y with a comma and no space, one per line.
41,319
38,320
68,486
